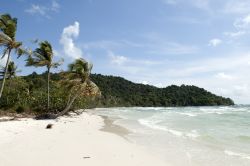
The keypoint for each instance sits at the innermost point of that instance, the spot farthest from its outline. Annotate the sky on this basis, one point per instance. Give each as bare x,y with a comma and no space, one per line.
158,42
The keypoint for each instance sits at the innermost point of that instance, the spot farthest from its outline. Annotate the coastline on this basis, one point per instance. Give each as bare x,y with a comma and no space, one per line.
85,139
110,127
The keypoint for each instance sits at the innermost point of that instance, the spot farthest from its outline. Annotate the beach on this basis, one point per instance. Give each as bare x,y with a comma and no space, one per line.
85,139
162,136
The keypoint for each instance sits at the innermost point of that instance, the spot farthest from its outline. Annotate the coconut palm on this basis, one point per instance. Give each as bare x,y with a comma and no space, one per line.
79,83
8,26
43,56
11,72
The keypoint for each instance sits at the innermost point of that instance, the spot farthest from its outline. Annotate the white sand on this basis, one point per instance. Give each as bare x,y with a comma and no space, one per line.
28,143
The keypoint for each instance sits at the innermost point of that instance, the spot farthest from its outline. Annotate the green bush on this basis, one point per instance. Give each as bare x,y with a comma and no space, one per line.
21,109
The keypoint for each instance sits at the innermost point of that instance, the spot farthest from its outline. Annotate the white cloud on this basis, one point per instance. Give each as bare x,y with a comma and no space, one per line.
215,42
144,82
125,61
67,40
242,25
117,59
36,9
243,22
235,34
222,75
55,6
160,85
43,10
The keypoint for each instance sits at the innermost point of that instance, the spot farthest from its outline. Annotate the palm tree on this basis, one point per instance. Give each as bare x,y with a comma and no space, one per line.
43,56
8,26
79,83
11,72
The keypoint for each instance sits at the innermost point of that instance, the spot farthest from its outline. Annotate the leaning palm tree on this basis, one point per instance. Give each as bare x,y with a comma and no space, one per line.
43,56
79,83
8,26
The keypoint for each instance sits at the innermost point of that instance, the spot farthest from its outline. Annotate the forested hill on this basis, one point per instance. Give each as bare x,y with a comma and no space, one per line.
117,91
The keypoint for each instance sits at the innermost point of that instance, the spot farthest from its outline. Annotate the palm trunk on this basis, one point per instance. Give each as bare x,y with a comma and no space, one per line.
67,107
48,101
5,73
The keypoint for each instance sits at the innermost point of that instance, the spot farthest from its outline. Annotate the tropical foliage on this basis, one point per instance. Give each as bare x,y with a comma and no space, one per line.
117,91
43,56
8,27
30,92
11,72
78,82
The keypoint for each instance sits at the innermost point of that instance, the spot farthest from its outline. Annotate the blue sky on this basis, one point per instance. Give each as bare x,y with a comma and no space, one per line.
159,42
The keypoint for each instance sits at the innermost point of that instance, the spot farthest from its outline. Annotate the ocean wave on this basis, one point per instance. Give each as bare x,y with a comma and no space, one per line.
188,114
193,134
241,155
153,125
217,111
224,110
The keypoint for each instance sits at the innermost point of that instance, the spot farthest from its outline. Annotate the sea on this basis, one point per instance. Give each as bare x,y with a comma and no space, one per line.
189,136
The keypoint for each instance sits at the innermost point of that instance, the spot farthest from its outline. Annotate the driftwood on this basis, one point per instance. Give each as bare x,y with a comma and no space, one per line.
46,116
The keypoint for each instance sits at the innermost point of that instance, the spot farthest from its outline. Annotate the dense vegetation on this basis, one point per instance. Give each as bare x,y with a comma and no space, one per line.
28,93
117,91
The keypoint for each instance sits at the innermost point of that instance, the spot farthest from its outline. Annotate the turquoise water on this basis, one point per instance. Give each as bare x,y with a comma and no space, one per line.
196,136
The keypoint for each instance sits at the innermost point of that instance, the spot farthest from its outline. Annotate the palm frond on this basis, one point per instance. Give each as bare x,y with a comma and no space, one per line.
23,51
78,79
12,70
4,39
8,25
57,64
41,56
36,62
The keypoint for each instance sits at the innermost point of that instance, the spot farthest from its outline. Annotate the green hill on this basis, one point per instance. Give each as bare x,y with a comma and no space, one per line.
117,91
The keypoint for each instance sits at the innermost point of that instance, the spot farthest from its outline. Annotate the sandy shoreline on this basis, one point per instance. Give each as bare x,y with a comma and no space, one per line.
79,140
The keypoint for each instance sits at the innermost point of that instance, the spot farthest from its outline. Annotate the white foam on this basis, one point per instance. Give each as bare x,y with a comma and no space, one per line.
175,132
241,155
188,114
154,125
193,134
